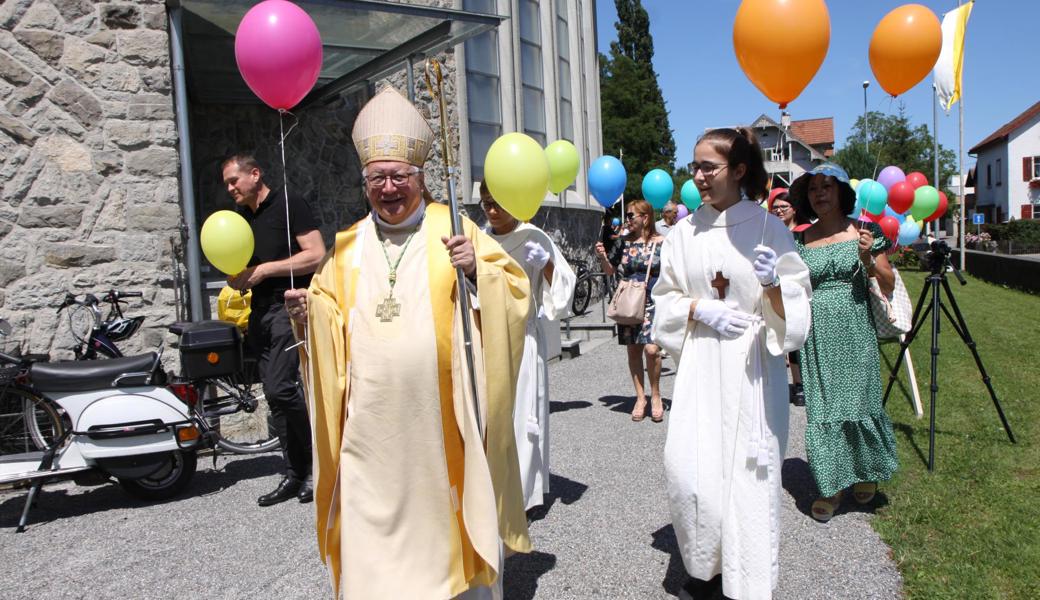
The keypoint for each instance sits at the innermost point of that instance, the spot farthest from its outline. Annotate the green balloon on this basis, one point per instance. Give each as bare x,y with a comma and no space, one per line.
926,202
563,165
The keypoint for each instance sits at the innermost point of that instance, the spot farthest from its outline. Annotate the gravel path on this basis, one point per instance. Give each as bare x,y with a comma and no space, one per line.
606,533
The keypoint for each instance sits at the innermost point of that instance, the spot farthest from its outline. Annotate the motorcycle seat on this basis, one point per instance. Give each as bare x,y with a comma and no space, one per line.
83,375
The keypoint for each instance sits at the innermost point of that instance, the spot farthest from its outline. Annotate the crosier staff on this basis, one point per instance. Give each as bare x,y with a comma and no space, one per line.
456,229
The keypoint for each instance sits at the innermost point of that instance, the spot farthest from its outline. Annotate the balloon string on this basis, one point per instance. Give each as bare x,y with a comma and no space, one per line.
877,160
285,183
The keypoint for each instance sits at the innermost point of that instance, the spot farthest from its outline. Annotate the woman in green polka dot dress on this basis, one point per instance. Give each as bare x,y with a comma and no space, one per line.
848,437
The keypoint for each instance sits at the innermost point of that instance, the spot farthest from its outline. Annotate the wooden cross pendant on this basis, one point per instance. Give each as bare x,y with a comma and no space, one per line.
720,284
389,309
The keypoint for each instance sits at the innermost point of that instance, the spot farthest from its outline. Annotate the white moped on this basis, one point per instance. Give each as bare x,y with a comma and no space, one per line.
73,419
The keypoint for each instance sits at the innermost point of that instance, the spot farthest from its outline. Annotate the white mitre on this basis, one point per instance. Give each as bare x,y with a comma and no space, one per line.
390,128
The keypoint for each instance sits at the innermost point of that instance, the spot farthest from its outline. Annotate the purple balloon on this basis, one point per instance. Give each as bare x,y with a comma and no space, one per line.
278,51
682,212
890,176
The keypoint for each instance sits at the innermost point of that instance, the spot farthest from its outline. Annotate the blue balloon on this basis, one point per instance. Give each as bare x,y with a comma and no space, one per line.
607,179
615,222
909,231
894,214
690,195
657,188
871,196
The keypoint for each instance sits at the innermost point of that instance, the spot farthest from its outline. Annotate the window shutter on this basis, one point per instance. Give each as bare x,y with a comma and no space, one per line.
1027,211
1027,168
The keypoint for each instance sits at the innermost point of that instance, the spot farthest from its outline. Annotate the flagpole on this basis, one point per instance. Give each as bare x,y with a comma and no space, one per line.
960,165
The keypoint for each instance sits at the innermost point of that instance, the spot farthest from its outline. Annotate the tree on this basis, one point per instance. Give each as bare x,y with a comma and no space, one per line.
635,119
893,141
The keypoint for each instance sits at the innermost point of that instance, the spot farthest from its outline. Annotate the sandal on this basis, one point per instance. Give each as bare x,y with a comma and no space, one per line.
864,492
639,412
657,412
823,508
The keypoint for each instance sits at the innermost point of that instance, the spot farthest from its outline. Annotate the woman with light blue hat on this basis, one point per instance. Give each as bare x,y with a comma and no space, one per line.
848,436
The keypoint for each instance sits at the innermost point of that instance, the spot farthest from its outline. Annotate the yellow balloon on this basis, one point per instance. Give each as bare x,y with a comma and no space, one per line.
517,174
854,183
563,165
227,241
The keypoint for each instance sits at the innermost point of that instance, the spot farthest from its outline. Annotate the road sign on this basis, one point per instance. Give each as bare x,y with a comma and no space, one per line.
978,219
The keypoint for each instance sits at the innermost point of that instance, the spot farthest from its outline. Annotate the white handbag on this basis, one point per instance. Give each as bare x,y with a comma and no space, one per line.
893,315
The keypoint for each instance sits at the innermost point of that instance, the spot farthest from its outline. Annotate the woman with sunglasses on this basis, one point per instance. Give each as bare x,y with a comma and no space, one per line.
640,254
780,205
732,299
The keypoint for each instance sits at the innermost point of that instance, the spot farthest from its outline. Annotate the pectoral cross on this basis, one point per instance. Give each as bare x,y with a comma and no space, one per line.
388,309
720,284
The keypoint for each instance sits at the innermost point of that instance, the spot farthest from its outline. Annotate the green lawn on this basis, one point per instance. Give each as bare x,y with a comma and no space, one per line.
970,529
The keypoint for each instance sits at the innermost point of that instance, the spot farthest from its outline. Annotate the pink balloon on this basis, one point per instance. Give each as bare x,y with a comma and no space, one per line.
278,50
681,212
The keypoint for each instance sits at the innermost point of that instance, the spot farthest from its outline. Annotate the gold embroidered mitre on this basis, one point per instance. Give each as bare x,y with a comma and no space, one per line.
390,128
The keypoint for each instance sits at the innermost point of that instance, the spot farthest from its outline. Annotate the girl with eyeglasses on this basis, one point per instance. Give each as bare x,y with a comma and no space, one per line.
639,253
733,298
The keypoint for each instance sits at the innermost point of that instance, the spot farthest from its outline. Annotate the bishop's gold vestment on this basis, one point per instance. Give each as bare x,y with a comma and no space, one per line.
409,504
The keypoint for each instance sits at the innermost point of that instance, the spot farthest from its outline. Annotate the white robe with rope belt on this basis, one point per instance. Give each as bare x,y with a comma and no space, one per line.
549,301
727,432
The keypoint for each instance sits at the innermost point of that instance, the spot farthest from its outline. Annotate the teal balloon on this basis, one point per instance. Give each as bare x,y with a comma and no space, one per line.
658,188
926,202
690,195
872,197
909,231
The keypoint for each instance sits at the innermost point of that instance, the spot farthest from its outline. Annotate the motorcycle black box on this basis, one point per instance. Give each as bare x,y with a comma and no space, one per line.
210,349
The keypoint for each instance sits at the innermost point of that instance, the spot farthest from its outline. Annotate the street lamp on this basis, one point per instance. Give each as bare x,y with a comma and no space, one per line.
866,123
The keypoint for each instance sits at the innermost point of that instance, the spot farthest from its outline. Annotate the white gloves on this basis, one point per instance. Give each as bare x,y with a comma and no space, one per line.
537,256
720,317
765,265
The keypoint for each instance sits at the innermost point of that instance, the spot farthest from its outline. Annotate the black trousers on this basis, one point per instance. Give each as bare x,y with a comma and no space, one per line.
270,335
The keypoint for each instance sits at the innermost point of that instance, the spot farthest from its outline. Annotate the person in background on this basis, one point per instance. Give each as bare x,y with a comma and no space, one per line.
668,217
639,253
552,288
848,435
780,205
269,334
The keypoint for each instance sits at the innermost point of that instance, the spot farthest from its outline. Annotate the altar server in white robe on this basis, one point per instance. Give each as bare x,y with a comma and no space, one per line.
552,288
732,299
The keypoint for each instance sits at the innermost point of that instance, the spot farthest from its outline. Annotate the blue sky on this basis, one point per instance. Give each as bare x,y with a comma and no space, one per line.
704,86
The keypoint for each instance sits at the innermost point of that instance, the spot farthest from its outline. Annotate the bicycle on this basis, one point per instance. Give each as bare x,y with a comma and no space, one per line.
584,286
115,327
28,422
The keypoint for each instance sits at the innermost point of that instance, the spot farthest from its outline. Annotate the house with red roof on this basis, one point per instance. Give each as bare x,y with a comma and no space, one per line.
1007,170
801,147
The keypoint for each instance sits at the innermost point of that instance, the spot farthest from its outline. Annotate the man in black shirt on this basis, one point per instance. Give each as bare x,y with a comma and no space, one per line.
270,335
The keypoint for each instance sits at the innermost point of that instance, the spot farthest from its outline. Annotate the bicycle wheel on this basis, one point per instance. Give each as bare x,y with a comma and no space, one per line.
239,430
28,422
582,295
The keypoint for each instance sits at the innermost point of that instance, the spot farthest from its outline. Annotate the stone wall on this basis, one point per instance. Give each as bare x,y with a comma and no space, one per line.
88,164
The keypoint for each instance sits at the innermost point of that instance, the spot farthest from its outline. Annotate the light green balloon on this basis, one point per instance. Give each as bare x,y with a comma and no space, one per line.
563,165
926,202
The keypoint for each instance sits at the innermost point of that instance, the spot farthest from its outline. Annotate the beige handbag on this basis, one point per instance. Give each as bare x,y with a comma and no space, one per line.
628,306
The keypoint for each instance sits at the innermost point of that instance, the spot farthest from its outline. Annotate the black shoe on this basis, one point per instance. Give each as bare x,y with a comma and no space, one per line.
287,489
697,589
798,395
306,493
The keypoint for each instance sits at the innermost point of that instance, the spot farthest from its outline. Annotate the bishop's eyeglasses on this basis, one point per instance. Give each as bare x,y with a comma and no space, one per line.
378,180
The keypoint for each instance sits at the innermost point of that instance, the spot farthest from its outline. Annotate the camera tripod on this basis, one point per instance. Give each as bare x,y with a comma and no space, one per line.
938,262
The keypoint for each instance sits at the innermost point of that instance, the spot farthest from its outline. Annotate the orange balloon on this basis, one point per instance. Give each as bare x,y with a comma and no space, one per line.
904,47
780,44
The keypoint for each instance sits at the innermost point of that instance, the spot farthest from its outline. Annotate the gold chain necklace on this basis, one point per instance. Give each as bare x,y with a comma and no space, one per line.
390,307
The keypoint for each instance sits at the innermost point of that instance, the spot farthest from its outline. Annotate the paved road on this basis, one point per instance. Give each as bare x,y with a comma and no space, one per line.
606,533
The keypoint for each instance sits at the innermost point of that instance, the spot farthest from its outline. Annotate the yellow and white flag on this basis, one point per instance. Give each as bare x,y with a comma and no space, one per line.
948,68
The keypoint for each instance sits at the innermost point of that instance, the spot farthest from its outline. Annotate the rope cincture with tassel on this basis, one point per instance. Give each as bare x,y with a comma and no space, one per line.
456,229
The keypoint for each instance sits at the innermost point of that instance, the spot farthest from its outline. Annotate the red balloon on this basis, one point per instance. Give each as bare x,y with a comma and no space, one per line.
943,203
889,226
901,195
916,179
